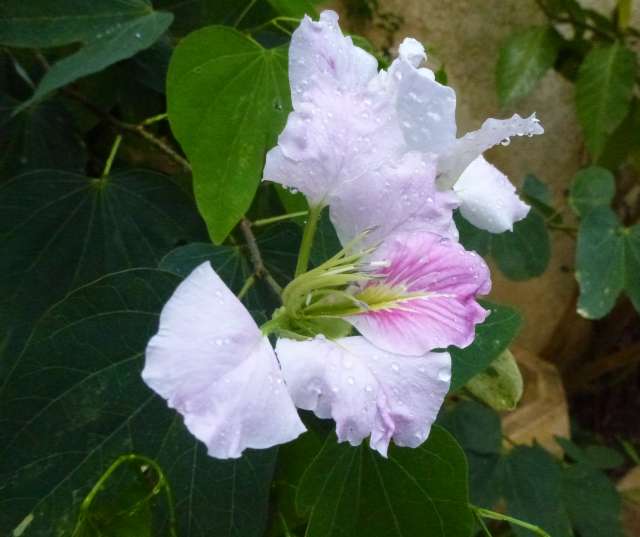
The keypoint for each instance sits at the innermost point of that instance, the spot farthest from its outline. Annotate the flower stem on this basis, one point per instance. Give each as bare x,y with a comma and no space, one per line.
492,515
307,239
112,156
274,219
154,119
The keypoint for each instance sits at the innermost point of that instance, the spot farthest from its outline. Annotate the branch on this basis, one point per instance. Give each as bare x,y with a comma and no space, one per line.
259,268
122,126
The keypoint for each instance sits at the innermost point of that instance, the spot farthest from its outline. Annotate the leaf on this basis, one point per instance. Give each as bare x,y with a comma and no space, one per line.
523,253
492,338
520,254
591,188
537,194
479,432
596,456
592,501
500,385
624,140
607,262
108,30
40,137
603,92
533,491
278,245
193,14
228,98
294,8
326,243
78,386
354,491
524,59
59,230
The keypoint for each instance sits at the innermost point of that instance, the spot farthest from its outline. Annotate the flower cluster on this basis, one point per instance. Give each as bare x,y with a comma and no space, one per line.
380,149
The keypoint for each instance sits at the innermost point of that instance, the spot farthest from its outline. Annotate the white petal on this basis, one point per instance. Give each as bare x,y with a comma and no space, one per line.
212,364
412,51
321,59
473,144
398,196
426,109
365,390
488,199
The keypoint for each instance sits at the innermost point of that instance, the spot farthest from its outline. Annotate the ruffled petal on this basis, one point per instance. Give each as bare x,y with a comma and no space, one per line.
439,280
212,364
473,144
398,196
488,199
366,391
321,59
335,140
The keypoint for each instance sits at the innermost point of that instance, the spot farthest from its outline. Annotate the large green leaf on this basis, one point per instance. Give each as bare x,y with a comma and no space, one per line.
42,136
524,252
592,501
607,262
75,401
500,385
492,338
603,92
228,98
479,432
108,30
59,230
279,248
533,491
591,188
524,59
354,491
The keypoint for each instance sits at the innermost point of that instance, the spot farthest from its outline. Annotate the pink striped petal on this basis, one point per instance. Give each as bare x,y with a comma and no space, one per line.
446,278
367,391
212,364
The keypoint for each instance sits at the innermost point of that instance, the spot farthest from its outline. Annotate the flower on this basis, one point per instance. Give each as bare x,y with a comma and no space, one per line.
425,295
356,133
366,390
210,361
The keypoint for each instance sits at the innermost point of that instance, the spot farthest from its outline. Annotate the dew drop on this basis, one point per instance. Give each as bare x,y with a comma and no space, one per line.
351,380
395,367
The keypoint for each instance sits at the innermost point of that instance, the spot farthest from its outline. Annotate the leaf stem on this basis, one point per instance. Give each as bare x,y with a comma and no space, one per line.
112,156
161,484
274,219
492,515
307,239
243,13
248,284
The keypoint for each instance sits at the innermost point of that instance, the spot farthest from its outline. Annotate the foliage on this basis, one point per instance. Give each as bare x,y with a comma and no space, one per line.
133,139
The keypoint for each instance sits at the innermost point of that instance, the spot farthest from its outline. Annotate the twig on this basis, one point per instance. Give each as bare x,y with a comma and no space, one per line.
123,126
259,268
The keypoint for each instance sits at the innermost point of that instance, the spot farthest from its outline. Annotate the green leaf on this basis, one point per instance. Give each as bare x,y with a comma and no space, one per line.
479,432
533,491
354,491
326,243
500,385
592,501
591,188
492,338
596,456
228,98
294,8
78,386
193,14
40,137
537,194
59,230
522,253
278,245
108,31
524,59
607,262
603,92
624,140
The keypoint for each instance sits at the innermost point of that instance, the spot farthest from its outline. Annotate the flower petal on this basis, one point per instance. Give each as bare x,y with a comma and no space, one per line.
321,59
473,144
212,364
398,196
446,279
489,200
366,391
